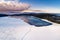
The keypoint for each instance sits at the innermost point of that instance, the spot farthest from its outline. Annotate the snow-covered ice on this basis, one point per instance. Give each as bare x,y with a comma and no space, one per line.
17,29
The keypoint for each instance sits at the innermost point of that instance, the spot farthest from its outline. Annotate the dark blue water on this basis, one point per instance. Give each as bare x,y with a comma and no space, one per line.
38,22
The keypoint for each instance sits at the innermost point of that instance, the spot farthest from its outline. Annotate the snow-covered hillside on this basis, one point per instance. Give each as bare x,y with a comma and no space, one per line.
16,29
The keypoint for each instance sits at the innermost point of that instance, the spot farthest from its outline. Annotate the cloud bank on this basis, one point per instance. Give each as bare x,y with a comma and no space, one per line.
13,6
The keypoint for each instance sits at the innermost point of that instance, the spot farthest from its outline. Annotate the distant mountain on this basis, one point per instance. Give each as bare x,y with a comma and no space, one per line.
3,15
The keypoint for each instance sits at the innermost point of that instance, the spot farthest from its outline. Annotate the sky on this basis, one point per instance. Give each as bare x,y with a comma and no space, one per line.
49,5
38,4
41,4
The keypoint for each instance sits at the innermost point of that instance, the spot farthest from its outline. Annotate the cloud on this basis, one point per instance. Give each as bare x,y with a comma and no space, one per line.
48,9
51,10
13,6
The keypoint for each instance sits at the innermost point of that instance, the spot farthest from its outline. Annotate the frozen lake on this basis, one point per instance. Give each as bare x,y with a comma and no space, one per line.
17,29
